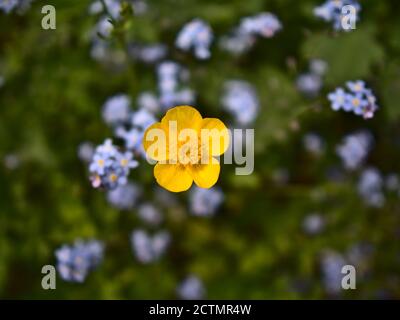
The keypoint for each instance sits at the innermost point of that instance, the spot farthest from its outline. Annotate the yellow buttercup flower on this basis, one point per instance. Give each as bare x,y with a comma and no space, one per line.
185,144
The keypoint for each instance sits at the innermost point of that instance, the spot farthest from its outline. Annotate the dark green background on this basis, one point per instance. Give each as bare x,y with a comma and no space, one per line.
255,247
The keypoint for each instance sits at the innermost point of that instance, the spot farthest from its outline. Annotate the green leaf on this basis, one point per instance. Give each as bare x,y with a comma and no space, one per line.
349,55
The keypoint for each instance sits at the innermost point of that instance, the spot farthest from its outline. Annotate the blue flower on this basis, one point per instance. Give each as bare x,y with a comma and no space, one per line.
354,149
148,101
357,87
150,214
198,35
191,288
148,53
313,224
169,76
147,248
116,110
126,161
331,11
143,119
331,265
8,5
99,163
313,143
356,102
107,148
75,262
243,37
264,24
109,167
205,202
113,177
132,138
309,84
359,100
338,99
124,197
86,151
370,187
240,98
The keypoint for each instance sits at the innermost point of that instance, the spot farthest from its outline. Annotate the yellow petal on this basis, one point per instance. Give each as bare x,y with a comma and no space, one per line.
215,135
155,142
186,117
205,175
173,177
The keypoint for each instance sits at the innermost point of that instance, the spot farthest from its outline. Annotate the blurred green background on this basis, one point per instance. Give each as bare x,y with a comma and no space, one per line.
255,246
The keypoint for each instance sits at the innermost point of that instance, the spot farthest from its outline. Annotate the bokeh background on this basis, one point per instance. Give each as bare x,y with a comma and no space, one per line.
282,232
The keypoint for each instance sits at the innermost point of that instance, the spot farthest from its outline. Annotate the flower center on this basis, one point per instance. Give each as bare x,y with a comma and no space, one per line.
356,102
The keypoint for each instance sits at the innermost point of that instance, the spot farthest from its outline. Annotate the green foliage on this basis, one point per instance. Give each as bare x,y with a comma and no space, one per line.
255,246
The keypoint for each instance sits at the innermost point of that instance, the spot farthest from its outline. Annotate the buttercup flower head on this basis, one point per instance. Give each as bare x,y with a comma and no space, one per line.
184,144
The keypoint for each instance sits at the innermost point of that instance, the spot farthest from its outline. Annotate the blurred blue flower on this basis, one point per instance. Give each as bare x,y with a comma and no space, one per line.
370,187
243,37
132,138
124,197
104,27
331,11
198,35
116,109
75,262
237,42
354,149
86,151
107,149
147,248
392,182
313,143
309,84
356,86
113,7
313,224
169,76
240,99
8,5
205,202
148,101
331,265
264,24
191,288
150,53
142,119
150,214
318,67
